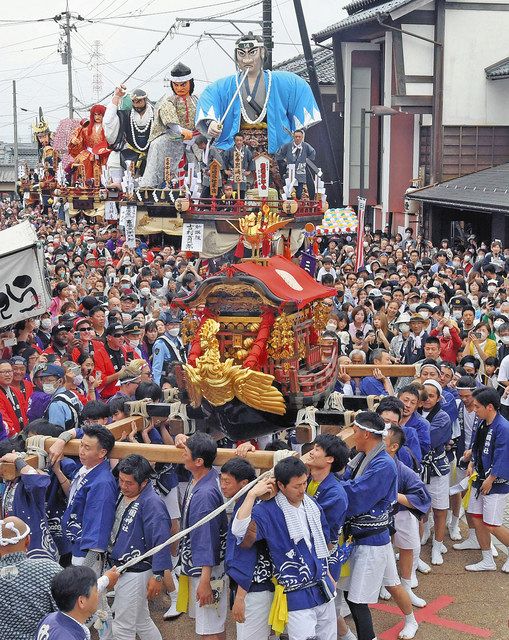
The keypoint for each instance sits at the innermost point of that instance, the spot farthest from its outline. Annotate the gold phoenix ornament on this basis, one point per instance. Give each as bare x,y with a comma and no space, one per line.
219,382
256,226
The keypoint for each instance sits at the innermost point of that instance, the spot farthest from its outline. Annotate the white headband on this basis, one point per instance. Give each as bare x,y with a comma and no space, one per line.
376,431
185,78
435,384
10,526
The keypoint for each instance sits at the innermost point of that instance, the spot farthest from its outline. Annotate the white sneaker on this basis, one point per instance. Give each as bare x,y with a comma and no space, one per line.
468,543
454,533
483,565
384,594
505,566
172,611
436,554
409,630
423,567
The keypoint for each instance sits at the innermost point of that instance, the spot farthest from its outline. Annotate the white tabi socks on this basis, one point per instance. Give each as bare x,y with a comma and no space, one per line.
454,528
486,564
436,552
410,629
468,543
414,599
349,635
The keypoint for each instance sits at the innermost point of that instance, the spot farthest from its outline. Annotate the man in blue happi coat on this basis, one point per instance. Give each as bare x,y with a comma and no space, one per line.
141,523
249,570
76,594
296,532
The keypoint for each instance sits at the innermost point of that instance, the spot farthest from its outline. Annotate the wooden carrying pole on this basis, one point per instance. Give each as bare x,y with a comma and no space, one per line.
152,452
390,370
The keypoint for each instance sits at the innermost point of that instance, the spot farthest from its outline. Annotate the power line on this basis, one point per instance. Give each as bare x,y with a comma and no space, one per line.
173,11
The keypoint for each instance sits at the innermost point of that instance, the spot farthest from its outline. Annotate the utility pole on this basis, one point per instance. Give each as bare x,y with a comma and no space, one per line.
267,32
315,87
69,61
15,119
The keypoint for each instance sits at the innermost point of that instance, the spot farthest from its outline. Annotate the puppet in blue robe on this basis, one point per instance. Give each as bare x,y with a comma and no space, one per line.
291,105
331,497
205,546
89,517
25,498
281,99
58,626
145,524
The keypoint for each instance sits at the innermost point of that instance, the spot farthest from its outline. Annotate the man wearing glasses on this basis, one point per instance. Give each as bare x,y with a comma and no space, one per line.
85,343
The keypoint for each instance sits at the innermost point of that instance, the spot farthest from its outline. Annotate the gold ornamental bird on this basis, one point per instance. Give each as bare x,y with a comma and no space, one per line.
219,382
257,226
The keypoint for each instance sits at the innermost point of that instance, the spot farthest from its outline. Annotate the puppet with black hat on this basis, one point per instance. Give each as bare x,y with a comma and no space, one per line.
173,129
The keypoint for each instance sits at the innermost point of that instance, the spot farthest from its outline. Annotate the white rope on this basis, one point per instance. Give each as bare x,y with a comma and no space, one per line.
334,402
278,455
35,447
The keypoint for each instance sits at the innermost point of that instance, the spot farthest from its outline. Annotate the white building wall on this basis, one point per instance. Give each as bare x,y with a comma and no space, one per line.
474,40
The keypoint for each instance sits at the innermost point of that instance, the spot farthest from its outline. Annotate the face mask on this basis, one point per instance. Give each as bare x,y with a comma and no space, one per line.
174,332
404,328
413,307
134,343
504,339
425,314
447,332
331,326
456,265
46,324
37,324
456,315
77,280
48,388
145,292
77,380
125,285
497,324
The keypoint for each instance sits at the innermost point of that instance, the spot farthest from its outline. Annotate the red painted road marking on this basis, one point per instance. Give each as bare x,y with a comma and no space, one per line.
429,614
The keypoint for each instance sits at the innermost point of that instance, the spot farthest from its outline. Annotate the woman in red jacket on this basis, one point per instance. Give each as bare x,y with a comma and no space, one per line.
450,340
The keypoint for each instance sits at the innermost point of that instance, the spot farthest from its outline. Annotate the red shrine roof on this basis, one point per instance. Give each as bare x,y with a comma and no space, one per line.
286,280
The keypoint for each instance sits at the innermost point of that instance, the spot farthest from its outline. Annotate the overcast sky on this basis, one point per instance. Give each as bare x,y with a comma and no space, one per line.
29,51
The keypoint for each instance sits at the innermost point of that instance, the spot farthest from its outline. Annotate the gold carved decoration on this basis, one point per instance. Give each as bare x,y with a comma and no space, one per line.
219,382
281,343
321,314
188,329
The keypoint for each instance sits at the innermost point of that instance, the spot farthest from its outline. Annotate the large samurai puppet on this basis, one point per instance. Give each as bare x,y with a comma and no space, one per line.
127,131
173,129
43,137
262,104
89,147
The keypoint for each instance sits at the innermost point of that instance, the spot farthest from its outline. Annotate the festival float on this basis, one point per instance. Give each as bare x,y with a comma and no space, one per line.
162,164
256,354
